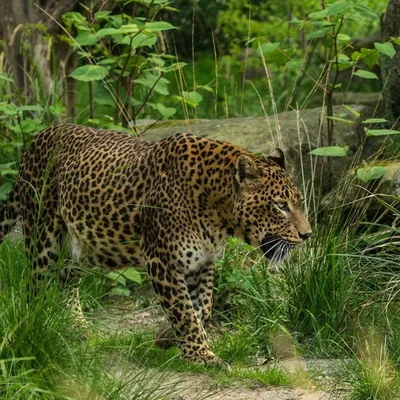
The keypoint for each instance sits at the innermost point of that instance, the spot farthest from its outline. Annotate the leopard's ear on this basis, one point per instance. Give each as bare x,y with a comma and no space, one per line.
246,169
278,157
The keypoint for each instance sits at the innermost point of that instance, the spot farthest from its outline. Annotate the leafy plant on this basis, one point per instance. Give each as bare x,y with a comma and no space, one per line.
20,120
324,32
124,59
123,279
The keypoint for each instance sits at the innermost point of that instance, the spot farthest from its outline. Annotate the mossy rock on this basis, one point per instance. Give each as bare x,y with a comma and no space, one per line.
297,133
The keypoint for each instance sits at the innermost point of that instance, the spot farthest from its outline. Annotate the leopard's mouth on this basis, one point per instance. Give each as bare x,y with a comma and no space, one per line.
275,248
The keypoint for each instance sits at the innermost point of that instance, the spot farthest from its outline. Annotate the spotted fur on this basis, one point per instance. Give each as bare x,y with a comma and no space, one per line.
168,205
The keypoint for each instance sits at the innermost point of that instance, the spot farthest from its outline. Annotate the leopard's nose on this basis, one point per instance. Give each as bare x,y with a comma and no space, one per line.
305,235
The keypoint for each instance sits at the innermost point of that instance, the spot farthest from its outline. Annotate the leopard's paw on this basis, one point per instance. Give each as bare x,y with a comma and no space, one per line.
202,355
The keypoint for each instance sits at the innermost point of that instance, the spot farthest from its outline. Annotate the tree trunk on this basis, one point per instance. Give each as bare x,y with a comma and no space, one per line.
27,48
390,27
14,16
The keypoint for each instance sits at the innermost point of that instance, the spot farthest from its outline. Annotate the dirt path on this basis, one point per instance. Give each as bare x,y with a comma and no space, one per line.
122,316
202,387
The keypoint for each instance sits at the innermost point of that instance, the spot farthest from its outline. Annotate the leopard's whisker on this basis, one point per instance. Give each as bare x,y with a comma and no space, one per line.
272,240
272,248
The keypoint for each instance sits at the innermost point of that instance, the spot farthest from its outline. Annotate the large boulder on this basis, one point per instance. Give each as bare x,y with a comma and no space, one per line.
296,132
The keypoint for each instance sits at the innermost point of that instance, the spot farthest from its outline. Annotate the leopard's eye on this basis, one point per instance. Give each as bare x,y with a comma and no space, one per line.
283,206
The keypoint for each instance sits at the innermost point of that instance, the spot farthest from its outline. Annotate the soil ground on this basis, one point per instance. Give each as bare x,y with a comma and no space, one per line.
123,316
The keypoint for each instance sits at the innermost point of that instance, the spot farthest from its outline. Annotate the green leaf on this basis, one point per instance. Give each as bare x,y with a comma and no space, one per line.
364,10
142,40
158,26
7,165
331,151
100,15
86,39
346,121
326,25
269,47
175,66
192,98
107,61
343,57
294,64
356,55
57,109
361,73
74,18
367,174
166,112
370,56
344,62
123,30
133,275
8,109
338,7
375,121
386,48
318,14
5,189
206,88
4,77
103,96
149,2
150,80
296,21
381,132
120,291
352,110
107,32
84,54
12,145
342,37
89,73
5,171
116,276
117,128
396,40
168,8
278,57
31,108
319,33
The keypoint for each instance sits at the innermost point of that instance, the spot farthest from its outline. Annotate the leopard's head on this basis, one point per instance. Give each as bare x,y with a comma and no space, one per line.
268,205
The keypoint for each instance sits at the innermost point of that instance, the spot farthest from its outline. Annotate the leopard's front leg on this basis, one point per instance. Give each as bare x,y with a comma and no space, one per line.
200,283
172,292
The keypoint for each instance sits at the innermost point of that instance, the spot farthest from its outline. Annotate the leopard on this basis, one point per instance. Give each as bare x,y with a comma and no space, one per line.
169,206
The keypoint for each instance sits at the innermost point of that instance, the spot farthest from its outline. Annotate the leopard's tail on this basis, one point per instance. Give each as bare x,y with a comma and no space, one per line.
9,214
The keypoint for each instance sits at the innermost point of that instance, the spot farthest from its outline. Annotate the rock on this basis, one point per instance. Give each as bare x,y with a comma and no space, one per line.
364,199
297,133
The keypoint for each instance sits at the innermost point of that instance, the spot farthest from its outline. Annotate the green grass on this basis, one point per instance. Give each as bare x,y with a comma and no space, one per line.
336,297
342,283
373,371
43,357
139,348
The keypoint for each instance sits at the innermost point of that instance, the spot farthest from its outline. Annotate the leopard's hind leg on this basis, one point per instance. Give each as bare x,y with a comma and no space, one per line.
44,250
71,277
9,213
43,243
45,234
